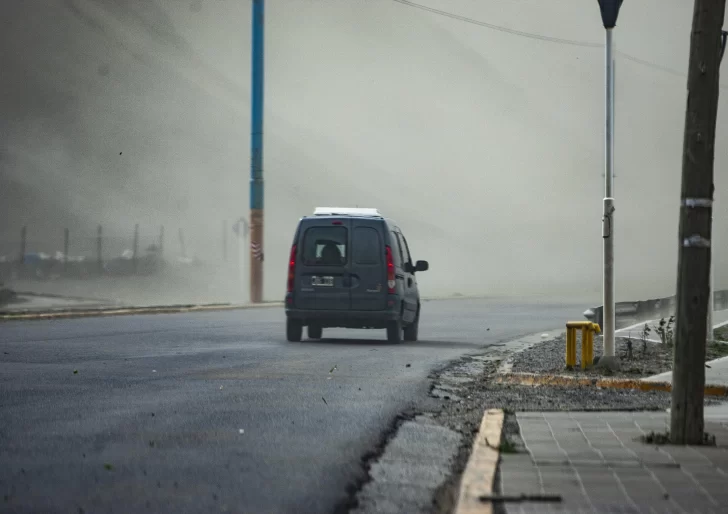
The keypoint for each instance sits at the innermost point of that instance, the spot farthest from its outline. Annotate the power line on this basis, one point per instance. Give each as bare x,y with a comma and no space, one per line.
499,28
652,65
541,37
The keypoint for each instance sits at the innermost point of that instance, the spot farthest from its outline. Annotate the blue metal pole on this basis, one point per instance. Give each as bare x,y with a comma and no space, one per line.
256,152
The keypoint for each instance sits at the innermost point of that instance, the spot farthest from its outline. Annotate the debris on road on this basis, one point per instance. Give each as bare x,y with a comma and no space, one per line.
324,399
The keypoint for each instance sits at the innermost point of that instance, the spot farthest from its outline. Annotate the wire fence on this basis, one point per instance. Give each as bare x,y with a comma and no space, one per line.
74,255
143,251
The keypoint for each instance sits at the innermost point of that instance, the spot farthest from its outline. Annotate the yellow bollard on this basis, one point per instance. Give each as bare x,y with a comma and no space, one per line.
587,343
570,347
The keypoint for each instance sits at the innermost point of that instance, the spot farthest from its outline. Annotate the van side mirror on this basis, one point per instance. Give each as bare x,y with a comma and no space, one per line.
422,266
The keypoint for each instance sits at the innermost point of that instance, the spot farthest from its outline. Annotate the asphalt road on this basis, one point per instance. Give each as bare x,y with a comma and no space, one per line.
216,412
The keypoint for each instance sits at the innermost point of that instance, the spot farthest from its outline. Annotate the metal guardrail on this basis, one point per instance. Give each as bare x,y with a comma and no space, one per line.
631,313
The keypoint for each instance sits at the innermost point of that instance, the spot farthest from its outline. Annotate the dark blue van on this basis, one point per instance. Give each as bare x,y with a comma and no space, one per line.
351,268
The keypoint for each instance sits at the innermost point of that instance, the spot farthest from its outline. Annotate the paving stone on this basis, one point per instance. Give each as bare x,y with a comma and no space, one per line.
601,456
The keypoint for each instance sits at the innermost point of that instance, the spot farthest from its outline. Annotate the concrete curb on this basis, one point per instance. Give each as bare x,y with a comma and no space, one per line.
479,474
533,379
127,311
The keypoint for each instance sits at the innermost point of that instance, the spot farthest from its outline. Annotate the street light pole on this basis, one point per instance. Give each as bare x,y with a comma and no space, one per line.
609,11
256,152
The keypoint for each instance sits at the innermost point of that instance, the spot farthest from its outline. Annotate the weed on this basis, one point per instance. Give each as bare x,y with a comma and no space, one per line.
629,343
507,446
643,337
665,330
659,438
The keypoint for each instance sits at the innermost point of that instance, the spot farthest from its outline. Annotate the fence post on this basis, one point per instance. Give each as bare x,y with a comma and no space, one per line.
224,240
23,241
65,249
99,253
182,243
135,255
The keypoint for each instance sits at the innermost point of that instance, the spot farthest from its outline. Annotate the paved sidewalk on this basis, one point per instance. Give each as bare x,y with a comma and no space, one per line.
715,374
596,463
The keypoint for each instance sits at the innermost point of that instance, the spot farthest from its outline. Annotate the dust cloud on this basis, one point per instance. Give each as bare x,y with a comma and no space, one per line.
483,140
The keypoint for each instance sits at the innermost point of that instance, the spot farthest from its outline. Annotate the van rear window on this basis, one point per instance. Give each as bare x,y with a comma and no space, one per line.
367,248
325,246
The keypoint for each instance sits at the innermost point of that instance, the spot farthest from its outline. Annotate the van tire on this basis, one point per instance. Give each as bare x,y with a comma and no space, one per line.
394,331
294,330
315,331
412,331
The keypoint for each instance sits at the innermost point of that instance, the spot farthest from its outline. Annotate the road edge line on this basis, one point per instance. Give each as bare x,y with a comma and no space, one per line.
532,379
479,476
128,311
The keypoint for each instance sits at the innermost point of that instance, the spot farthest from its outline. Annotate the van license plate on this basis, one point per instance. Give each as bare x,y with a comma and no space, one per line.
322,281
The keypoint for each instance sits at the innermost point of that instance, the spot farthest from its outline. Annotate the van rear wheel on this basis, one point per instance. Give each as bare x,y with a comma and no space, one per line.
315,331
294,330
412,331
394,331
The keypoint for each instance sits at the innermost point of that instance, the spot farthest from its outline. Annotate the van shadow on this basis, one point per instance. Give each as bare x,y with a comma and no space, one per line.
423,343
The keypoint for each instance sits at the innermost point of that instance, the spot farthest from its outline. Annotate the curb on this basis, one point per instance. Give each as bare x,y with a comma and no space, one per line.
479,475
533,379
128,311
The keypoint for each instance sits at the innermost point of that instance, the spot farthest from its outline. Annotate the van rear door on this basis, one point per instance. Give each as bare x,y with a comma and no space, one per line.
322,270
368,266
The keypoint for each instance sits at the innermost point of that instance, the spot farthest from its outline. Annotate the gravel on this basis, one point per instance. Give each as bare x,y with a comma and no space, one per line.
645,358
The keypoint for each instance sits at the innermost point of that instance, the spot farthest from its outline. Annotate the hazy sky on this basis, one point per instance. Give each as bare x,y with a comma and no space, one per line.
485,143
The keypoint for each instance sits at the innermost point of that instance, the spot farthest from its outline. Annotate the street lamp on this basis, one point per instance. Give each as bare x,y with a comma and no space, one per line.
609,11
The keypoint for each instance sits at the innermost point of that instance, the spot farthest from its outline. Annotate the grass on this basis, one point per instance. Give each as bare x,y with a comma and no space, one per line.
721,334
660,438
716,351
507,446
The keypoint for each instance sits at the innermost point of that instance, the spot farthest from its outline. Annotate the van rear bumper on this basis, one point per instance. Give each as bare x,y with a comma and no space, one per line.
344,318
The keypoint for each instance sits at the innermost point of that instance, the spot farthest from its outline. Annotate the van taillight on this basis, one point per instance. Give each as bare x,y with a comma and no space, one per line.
391,281
292,269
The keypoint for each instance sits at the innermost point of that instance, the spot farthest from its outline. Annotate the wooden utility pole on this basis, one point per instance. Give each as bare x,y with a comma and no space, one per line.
696,209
